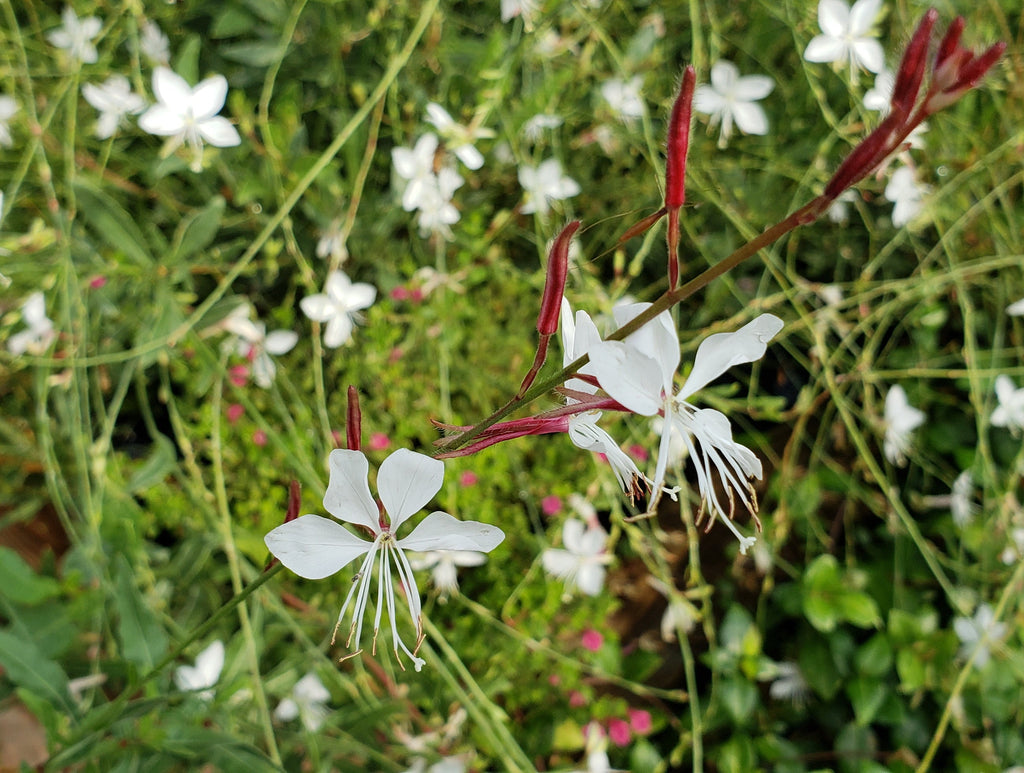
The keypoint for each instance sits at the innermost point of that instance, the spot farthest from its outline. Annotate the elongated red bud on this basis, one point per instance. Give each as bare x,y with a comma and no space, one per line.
950,42
910,75
678,144
354,421
294,501
554,283
865,157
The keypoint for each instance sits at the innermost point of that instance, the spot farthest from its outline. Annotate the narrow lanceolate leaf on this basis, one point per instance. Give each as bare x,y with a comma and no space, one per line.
198,230
26,666
112,224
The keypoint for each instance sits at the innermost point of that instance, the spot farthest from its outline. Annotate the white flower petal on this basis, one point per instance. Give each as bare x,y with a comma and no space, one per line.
161,121
721,351
750,118
441,531
319,307
862,17
280,341
171,89
314,547
833,17
628,376
406,482
348,495
219,132
207,98
590,578
338,332
825,49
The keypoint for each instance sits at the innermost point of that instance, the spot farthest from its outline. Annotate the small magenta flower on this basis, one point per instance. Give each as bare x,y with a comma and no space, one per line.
75,35
847,36
185,114
733,99
204,674
314,547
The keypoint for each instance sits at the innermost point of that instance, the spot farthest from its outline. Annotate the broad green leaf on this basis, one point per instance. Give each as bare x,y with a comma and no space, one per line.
20,584
255,54
739,698
859,609
112,224
874,657
867,696
143,640
199,229
24,665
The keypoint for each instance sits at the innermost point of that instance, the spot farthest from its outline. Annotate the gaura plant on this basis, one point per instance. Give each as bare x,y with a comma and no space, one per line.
631,370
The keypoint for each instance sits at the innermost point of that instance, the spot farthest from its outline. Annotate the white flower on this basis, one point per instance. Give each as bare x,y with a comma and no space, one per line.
76,36
1010,411
581,563
445,765
596,750
906,194
846,35
39,333
314,547
960,503
639,373
204,674
578,337
8,107
901,419
416,166
679,615
308,702
154,44
459,138
255,344
534,126
332,243
114,99
839,211
544,184
624,97
444,567
789,684
1015,550
1016,309
436,211
337,306
513,8
976,633
183,113
731,98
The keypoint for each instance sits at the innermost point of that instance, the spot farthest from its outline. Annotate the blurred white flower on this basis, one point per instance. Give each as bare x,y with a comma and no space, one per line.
977,633
256,345
415,165
789,684
154,44
960,503
332,243
847,36
458,138
444,567
308,701
338,305
1010,411
314,547
1015,550
544,184
8,107
510,9
581,564
76,36
679,615
1016,309
186,114
879,98
534,126
436,211
624,97
839,211
114,99
901,419
444,765
204,674
906,194
39,333
732,99
596,750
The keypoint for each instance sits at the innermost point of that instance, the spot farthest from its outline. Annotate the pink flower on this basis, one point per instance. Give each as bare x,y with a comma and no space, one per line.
551,505
239,375
97,282
234,412
259,437
639,452
592,640
576,699
640,721
379,441
468,478
619,732
554,680
400,293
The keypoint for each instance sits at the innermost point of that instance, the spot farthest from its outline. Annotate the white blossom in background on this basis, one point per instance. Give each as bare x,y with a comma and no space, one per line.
255,344
596,750
789,684
338,305
581,562
39,332
977,633
1010,411
839,211
639,372
115,100
415,165
436,212
901,419
544,184
445,765
579,335
624,97
444,567
679,615
187,114
731,99
510,9
1016,309
332,243
204,674
154,45
906,194
314,547
847,36
308,702
1015,550
538,124
879,98
75,36
8,107
960,504
459,139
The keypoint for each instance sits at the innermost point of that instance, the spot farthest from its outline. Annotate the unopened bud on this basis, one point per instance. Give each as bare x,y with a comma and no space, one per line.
554,283
354,421
912,67
678,143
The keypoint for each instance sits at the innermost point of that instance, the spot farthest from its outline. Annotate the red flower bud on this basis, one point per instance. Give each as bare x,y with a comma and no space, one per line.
554,283
678,144
354,421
